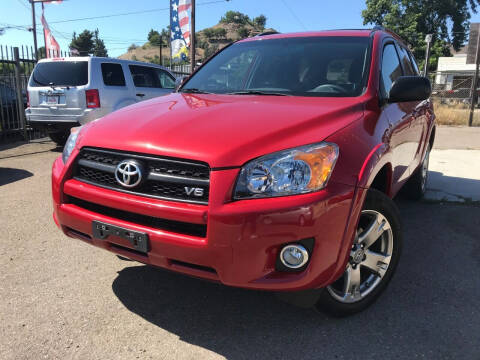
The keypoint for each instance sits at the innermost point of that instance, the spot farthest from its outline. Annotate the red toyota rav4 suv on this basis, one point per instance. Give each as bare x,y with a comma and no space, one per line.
273,167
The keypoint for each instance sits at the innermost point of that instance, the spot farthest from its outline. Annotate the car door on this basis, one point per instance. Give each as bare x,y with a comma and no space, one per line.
399,116
146,81
417,109
115,93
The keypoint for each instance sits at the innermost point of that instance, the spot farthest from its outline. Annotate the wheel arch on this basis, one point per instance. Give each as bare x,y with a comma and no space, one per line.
377,170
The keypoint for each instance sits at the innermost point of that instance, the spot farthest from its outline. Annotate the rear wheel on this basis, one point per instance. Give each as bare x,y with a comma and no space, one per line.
59,137
416,186
372,262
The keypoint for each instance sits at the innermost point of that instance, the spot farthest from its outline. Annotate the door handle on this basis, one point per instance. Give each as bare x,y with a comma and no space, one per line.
141,95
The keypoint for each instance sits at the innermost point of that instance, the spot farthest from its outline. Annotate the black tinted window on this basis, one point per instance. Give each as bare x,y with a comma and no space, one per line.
144,76
391,68
166,80
310,66
60,73
407,65
113,74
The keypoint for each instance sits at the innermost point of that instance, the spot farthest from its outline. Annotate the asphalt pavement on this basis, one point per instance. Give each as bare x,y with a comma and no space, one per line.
63,299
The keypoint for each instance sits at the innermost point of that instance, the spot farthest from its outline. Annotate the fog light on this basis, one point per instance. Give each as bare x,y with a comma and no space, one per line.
294,256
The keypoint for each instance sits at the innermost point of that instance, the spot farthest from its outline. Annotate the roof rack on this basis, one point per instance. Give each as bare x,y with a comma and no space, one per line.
268,33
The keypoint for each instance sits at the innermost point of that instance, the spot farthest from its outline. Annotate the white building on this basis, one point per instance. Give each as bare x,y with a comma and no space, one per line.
453,72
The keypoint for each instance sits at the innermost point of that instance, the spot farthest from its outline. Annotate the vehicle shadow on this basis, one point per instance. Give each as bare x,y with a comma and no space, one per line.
10,175
404,322
441,186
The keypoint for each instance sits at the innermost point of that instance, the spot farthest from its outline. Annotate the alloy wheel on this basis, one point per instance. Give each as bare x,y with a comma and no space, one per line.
369,260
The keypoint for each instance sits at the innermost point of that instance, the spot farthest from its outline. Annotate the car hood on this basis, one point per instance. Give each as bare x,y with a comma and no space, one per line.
222,130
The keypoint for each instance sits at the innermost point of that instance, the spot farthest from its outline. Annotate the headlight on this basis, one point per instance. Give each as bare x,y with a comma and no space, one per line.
295,171
70,144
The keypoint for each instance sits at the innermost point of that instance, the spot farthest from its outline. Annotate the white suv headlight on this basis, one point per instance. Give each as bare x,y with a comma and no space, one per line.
70,144
295,171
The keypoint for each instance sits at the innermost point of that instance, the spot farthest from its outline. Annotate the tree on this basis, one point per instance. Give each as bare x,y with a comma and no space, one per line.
154,37
447,20
83,43
132,47
260,21
99,48
41,52
235,17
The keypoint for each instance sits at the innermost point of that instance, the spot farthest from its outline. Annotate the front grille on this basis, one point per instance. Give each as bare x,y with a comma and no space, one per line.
166,178
179,227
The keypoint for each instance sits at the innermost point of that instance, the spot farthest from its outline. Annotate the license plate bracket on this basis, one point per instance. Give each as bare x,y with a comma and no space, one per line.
139,240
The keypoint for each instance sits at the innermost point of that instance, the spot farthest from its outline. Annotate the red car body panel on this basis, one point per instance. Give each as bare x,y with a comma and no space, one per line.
226,131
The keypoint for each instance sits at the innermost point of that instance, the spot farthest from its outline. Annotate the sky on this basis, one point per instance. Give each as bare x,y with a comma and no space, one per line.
119,32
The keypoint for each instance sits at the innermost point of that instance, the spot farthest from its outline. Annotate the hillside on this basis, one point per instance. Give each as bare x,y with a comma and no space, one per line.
232,27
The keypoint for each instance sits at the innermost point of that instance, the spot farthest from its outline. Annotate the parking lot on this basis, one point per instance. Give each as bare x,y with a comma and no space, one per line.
63,299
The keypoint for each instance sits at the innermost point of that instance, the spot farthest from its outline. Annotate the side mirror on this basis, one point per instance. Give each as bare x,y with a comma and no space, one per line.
179,81
410,88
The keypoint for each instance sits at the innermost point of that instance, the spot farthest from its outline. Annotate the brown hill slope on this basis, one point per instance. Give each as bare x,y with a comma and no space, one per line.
209,40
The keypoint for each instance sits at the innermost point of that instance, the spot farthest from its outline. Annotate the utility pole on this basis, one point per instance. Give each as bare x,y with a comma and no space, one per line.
192,38
428,40
161,43
34,29
473,91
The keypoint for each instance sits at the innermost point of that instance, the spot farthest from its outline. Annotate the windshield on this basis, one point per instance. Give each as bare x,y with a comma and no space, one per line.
60,73
309,66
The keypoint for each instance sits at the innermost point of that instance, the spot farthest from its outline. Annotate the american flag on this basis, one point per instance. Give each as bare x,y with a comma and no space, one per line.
51,45
180,28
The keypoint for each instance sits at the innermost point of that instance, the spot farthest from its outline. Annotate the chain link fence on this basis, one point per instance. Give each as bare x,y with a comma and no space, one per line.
452,95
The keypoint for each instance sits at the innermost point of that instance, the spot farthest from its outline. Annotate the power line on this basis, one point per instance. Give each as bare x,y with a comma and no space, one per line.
131,13
294,15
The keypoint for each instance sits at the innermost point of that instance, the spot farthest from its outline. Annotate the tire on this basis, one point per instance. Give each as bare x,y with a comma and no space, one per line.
416,186
373,259
59,137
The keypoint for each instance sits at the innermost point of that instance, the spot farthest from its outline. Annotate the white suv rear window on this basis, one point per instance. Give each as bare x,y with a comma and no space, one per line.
60,73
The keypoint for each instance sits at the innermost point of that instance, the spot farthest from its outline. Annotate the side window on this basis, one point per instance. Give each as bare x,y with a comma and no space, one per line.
404,58
113,74
414,63
166,80
144,76
391,69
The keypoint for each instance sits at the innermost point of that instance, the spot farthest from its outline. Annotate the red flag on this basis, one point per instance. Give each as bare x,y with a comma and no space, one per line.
51,45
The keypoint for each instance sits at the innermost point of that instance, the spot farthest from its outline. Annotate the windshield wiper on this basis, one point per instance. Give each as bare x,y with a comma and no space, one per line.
194,91
256,92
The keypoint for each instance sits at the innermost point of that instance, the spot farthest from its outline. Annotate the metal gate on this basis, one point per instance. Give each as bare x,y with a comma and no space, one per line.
16,64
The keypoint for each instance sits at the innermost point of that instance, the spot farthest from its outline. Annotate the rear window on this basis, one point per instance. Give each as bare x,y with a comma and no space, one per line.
113,74
60,73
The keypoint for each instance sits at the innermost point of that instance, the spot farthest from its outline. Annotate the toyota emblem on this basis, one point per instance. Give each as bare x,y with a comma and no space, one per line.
128,173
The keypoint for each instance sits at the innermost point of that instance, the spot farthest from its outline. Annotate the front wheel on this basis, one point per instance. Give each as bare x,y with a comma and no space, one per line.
372,262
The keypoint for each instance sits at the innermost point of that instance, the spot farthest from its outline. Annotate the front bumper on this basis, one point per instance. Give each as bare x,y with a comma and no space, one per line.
243,238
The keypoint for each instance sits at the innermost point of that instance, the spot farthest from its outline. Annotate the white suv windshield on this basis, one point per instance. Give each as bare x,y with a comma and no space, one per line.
309,66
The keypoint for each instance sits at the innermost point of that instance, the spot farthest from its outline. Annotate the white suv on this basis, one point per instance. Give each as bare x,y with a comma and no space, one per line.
66,92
